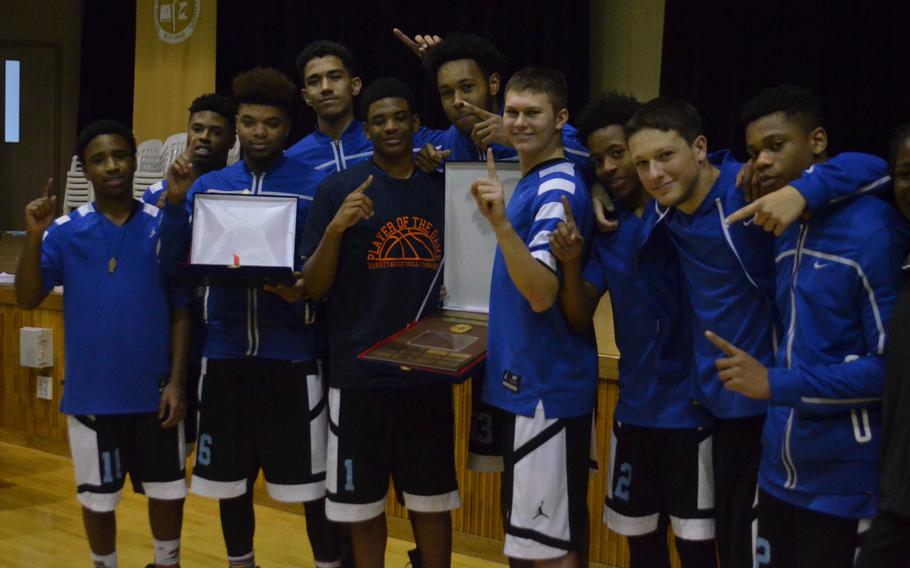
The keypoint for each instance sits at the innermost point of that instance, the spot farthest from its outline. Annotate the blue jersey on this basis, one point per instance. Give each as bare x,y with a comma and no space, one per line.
117,324
464,150
153,192
652,320
729,269
249,322
534,357
837,280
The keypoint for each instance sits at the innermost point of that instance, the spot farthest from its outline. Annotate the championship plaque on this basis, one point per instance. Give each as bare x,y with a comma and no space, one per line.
242,240
449,344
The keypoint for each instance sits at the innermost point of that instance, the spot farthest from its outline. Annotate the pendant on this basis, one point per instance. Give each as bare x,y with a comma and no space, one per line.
112,265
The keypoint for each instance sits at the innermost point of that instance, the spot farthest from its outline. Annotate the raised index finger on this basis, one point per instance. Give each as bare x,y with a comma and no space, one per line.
403,38
482,113
741,214
491,165
728,348
49,188
567,207
363,187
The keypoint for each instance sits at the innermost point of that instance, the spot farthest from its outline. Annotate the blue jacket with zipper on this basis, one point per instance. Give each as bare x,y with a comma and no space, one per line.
249,322
729,270
838,274
327,156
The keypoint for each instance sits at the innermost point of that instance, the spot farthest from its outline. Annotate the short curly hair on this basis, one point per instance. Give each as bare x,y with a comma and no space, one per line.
609,109
325,48
458,46
385,88
264,86
797,104
100,128
221,105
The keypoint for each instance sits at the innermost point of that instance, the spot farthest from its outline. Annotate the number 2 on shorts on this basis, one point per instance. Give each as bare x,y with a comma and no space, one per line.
623,481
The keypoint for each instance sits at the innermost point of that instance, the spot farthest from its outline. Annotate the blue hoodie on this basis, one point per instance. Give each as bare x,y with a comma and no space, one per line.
248,322
730,273
838,274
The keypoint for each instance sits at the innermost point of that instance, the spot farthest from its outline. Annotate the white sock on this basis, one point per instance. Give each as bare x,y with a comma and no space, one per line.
167,552
245,560
334,564
106,561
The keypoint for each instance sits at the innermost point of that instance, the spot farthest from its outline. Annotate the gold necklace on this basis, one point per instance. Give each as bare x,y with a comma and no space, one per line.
112,262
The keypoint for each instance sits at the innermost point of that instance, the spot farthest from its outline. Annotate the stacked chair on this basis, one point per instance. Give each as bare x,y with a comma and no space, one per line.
149,166
78,190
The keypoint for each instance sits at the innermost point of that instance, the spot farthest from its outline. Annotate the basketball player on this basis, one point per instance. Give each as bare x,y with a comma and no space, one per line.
467,70
328,73
729,273
540,373
887,544
209,137
126,338
262,399
838,273
660,468
374,248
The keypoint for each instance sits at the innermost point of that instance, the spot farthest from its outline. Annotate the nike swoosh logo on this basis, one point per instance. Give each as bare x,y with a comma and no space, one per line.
818,265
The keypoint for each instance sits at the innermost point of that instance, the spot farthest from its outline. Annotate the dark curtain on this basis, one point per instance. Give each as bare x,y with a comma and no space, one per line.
718,54
107,60
273,32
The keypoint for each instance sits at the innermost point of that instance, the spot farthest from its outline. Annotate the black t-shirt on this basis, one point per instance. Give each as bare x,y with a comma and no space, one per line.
386,266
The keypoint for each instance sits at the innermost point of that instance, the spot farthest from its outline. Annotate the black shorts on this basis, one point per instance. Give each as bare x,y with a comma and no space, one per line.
405,432
660,471
736,453
485,441
887,543
192,404
545,485
258,413
794,537
107,447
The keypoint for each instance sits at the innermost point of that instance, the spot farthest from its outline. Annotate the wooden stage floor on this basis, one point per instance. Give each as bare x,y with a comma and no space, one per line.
41,524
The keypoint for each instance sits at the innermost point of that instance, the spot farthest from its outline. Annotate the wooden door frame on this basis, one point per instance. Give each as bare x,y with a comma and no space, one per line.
59,169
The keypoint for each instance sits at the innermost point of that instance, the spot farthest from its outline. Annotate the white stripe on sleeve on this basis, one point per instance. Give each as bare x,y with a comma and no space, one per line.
557,184
551,211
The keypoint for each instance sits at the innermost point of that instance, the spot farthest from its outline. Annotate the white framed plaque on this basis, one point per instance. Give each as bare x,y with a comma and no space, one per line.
470,244
242,239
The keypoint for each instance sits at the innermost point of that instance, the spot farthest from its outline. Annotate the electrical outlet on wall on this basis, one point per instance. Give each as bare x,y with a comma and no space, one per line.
45,388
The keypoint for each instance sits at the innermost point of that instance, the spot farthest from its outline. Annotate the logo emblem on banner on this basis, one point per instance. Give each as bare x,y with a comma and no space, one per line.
176,19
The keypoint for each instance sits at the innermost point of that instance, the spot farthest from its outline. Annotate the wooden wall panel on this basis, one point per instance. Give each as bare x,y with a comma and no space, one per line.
24,418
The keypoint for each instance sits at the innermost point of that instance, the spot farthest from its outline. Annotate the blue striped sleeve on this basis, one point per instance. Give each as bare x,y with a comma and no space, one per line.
548,212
